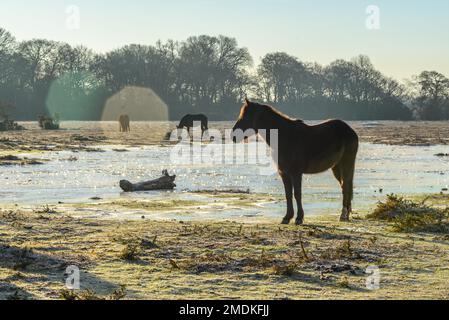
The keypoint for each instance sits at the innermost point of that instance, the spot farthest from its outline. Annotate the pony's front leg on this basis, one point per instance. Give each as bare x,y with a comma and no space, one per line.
297,185
288,184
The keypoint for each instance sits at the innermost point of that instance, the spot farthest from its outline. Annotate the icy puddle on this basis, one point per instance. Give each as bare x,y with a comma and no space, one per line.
75,179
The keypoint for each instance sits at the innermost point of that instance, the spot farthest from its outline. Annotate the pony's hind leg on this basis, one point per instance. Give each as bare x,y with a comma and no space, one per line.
339,174
204,129
348,188
288,184
347,200
297,185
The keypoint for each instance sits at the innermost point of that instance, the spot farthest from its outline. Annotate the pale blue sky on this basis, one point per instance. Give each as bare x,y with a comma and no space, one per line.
413,37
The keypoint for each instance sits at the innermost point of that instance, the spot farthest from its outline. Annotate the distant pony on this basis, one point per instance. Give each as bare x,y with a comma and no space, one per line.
124,123
189,121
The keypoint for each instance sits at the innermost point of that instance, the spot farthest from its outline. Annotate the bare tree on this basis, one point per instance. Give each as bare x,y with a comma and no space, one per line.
432,97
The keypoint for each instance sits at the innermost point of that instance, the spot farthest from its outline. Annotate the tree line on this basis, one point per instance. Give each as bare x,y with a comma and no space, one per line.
206,74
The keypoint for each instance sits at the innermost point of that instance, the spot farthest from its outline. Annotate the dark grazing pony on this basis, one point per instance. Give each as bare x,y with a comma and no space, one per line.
189,121
304,149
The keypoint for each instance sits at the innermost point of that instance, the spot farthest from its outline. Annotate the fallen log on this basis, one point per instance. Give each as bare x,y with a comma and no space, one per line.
166,182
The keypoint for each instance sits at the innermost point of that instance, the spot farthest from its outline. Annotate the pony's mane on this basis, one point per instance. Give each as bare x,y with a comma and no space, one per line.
277,112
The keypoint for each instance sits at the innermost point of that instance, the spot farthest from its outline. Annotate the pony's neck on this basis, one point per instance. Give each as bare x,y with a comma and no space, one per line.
269,120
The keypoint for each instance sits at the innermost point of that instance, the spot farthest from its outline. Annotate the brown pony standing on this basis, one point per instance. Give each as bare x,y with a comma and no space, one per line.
304,149
125,123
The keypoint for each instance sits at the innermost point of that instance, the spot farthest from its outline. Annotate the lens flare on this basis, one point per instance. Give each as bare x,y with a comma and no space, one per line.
140,104
147,112
73,96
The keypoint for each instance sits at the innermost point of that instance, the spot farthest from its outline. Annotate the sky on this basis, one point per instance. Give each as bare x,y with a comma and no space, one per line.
412,35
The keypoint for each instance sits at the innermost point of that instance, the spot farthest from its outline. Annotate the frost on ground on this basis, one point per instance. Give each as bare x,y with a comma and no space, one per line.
216,260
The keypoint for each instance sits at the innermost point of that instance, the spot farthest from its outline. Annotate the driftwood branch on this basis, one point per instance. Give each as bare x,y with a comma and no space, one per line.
166,182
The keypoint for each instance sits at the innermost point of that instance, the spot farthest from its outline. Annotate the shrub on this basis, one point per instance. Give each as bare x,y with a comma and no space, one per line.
409,216
48,123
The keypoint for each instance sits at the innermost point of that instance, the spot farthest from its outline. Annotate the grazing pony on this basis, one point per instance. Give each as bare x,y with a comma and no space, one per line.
304,149
124,123
189,120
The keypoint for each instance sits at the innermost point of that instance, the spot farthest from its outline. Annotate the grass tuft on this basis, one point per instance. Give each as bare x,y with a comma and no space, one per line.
90,295
343,283
284,270
130,252
409,216
46,209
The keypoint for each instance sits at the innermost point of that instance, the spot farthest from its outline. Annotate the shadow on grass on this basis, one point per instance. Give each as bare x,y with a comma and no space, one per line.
27,264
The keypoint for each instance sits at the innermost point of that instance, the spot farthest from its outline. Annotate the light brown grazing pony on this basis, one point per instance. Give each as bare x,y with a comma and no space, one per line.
304,149
124,123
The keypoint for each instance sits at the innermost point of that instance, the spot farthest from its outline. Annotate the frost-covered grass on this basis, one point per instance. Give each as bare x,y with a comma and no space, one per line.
147,259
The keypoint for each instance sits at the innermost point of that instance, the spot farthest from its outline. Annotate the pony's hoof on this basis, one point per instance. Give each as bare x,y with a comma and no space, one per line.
345,215
299,222
285,221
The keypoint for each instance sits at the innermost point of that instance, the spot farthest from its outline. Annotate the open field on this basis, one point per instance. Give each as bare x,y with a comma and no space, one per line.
176,151
216,260
147,247
82,135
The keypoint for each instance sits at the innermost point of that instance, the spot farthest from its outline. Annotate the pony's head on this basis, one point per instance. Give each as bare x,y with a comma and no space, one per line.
244,128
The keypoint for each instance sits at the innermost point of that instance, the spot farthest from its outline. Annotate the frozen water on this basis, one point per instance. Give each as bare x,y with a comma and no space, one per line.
395,169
